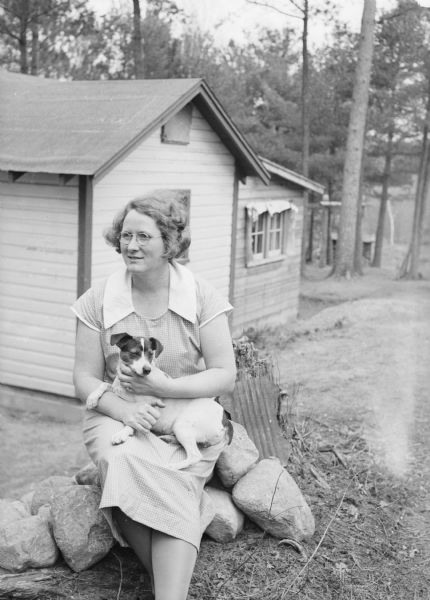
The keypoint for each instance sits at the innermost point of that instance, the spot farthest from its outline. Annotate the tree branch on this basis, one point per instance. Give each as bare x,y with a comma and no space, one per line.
401,13
5,29
299,8
273,8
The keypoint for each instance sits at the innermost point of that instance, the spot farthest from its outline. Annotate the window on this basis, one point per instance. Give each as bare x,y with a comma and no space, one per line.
276,230
267,225
257,236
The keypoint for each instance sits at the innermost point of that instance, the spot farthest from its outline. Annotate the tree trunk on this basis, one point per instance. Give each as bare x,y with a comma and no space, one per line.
391,222
24,17
379,241
137,41
409,267
354,150
358,251
34,69
305,130
325,236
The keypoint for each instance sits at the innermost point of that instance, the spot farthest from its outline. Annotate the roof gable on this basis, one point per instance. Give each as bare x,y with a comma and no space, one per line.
85,127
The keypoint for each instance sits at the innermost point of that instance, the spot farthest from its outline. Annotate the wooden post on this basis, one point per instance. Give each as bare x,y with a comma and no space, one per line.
311,237
234,225
330,253
325,236
85,233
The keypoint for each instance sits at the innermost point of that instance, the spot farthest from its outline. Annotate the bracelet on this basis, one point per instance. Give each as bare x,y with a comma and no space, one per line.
93,398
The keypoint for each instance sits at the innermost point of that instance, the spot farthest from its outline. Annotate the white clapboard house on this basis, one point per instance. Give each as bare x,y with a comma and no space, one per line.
73,153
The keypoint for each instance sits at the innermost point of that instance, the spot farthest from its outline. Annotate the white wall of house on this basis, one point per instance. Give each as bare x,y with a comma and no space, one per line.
38,266
205,167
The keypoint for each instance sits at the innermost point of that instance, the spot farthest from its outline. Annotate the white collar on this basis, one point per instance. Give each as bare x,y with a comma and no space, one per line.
118,303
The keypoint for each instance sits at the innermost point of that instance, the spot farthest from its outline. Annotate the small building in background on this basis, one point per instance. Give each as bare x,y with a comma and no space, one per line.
73,153
265,277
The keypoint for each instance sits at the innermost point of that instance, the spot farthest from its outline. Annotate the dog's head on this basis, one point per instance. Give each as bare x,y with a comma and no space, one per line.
137,353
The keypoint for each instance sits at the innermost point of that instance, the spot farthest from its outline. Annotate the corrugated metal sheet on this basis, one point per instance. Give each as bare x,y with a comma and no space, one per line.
255,406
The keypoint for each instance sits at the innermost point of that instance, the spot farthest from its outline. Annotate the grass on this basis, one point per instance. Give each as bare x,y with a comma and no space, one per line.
360,549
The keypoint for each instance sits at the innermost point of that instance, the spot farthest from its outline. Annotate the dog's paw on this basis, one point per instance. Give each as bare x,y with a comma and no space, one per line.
120,437
168,438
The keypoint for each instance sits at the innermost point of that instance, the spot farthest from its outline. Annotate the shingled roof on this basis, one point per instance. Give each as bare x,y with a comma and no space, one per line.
86,127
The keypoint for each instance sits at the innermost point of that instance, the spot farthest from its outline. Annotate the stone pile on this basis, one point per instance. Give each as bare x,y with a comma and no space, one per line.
61,515
261,490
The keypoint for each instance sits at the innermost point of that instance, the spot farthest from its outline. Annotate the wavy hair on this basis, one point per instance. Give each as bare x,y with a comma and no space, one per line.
169,214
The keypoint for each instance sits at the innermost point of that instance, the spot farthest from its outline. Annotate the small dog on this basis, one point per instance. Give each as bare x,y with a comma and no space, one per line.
191,421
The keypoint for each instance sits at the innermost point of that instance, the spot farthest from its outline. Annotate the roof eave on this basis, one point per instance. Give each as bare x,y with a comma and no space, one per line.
292,176
247,160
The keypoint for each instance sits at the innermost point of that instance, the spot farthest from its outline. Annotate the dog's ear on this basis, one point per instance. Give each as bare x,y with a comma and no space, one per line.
120,339
156,346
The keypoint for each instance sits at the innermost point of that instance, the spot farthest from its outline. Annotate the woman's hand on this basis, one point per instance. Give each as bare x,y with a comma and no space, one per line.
142,416
156,383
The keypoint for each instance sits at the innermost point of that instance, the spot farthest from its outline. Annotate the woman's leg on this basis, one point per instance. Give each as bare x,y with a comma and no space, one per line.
173,562
168,560
138,536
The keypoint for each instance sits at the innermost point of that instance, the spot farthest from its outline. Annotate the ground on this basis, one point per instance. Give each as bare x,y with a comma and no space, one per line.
356,369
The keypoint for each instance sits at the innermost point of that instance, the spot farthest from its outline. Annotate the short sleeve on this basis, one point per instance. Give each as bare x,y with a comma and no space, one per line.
88,308
210,303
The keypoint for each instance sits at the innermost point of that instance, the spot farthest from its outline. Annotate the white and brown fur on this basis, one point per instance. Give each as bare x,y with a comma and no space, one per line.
191,421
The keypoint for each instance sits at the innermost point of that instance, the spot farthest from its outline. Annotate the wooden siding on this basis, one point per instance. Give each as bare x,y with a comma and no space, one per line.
38,265
266,294
205,167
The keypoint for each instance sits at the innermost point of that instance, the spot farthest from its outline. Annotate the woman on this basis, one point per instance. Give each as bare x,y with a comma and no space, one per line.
159,511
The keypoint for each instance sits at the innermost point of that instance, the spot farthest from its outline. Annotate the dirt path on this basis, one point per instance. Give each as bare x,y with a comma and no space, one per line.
370,359
367,362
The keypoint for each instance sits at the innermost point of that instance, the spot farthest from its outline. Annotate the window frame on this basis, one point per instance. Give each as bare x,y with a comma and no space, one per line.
266,230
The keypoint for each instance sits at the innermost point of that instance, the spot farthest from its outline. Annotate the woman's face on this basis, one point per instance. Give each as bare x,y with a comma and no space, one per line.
142,246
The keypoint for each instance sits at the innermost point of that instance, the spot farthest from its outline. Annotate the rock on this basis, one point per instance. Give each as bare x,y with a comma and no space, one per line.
27,499
270,497
228,520
46,490
80,529
44,513
27,543
12,510
88,475
238,458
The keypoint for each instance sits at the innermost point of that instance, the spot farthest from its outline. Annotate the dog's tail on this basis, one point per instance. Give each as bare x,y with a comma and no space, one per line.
228,427
226,421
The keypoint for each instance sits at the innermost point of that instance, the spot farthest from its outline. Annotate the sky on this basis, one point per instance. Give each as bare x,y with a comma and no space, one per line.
239,20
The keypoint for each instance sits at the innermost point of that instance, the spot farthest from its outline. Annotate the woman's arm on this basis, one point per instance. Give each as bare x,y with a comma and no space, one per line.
88,374
218,378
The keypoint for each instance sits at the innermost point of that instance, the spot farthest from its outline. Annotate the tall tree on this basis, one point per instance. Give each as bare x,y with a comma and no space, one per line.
395,82
49,37
20,21
137,41
331,90
410,265
351,202
302,8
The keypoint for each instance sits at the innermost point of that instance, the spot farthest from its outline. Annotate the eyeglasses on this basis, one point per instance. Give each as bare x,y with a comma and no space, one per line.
142,238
